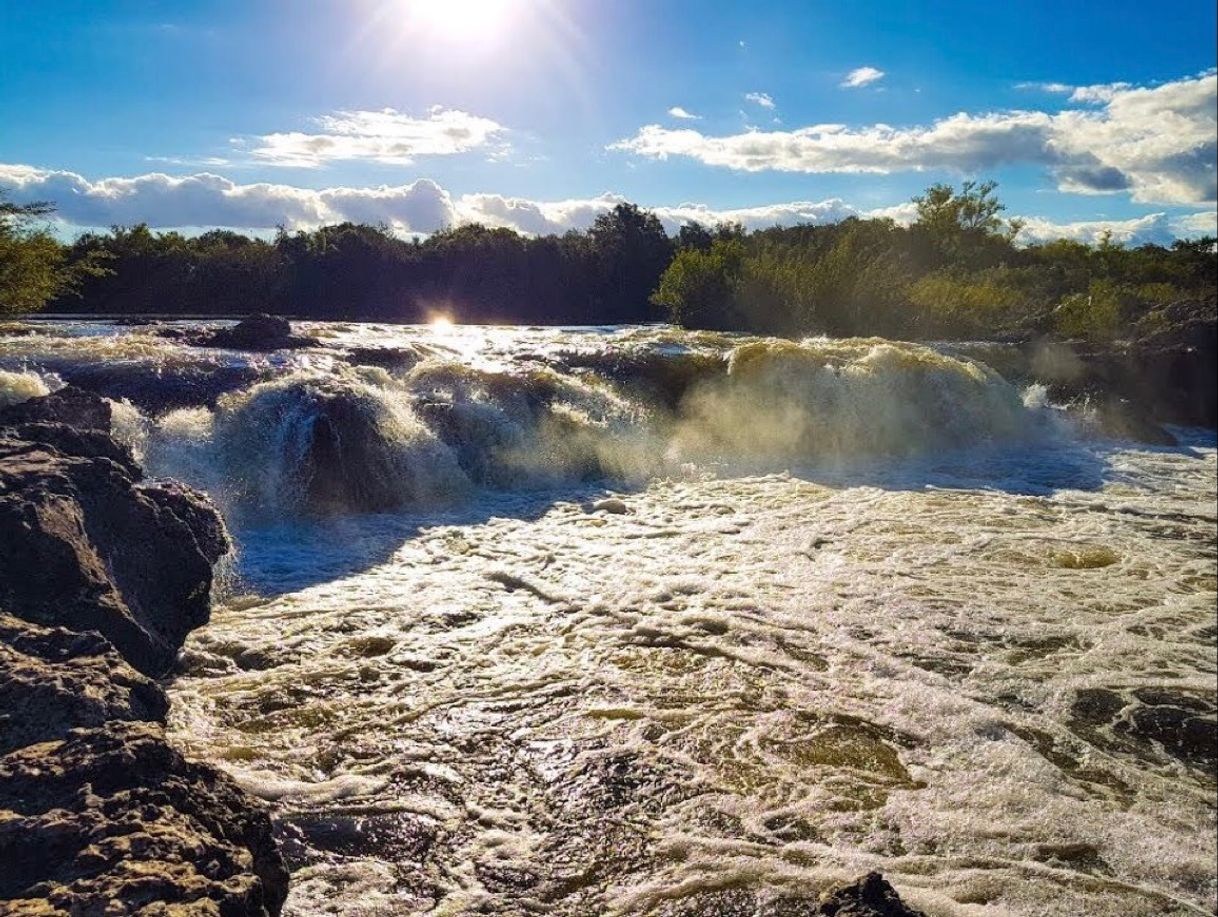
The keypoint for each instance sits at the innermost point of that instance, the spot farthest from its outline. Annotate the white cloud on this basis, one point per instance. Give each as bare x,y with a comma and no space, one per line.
760,98
208,161
1046,87
682,114
385,136
1099,94
206,200
1193,225
1159,228
861,76
962,142
1157,144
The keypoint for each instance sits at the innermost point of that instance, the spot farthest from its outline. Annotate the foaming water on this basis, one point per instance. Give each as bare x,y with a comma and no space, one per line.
19,386
649,622
430,422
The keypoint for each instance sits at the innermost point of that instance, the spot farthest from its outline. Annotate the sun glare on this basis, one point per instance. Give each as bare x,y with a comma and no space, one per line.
461,20
441,323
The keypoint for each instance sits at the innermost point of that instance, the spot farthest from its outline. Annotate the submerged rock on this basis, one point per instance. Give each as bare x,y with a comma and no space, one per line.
349,463
870,896
394,359
88,546
612,506
310,445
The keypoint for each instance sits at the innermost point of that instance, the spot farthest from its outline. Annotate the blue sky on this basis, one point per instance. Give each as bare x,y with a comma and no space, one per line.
541,113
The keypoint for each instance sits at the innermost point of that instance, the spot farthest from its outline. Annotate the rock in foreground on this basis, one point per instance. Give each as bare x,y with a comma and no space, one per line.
88,545
870,896
53,680
113,820
101,575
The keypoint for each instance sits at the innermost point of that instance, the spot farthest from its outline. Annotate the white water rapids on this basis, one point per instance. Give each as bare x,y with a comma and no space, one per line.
657,622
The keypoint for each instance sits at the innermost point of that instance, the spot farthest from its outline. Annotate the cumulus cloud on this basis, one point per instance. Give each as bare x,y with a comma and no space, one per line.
165,201
861,76
386,136
1158,144
207,200
682,114
1157,228
1193,225
760,98
1098,94
560,216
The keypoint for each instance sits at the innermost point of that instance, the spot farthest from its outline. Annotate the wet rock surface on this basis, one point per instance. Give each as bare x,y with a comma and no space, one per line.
1151,723
394,359
102,575
348,464
870,896
257,333
190,385
53,680
90,546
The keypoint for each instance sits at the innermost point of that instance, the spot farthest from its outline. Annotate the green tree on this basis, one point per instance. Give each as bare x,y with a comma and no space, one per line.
632,250
965,227
33,265
698,290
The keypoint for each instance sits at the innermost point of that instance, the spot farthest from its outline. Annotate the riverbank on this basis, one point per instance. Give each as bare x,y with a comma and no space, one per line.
102,576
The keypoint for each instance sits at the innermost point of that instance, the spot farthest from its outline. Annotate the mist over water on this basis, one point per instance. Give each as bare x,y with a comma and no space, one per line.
649,621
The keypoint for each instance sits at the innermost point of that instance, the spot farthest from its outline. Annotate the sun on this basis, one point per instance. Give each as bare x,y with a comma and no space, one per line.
461,20
441,323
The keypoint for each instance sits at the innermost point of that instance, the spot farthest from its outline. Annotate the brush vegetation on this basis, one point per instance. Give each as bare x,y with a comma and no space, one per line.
958,271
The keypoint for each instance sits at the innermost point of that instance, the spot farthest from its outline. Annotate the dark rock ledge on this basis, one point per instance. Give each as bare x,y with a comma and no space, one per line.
260,333
102,576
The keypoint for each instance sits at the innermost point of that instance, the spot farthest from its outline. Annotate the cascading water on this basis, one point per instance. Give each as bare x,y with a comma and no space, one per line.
340,438
660,622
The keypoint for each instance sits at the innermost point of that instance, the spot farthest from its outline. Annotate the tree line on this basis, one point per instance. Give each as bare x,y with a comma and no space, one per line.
958,271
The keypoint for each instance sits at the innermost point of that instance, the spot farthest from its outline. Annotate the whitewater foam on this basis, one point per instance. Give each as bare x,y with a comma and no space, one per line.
870,607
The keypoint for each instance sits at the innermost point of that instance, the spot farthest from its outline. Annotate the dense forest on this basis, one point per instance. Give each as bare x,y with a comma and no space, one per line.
958,270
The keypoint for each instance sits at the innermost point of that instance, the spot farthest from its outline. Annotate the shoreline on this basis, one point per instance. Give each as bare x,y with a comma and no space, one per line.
102,577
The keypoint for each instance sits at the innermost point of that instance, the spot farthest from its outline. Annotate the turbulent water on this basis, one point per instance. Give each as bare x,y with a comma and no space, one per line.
643,621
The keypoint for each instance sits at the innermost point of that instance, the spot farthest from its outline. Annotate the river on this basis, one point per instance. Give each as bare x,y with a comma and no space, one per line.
645,621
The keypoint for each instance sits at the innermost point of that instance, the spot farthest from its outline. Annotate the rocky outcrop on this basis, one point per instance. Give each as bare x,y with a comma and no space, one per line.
88,545
191,384
102,575
258,333
1164,373
54,680
113,820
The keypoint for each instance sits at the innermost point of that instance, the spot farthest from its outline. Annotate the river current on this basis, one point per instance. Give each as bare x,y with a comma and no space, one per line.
643,621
